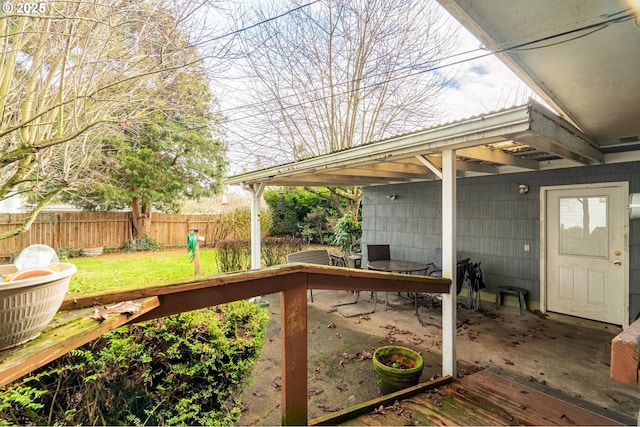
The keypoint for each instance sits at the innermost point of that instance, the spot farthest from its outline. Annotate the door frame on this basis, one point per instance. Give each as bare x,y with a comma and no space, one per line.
624,185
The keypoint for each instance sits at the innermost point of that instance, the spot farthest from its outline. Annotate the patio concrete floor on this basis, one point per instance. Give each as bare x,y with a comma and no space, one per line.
561,354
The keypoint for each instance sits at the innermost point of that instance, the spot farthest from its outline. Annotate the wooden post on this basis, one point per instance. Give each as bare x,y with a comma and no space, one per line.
449,262
256,195
294,350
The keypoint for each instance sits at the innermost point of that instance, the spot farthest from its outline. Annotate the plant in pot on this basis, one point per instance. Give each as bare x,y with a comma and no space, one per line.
397,368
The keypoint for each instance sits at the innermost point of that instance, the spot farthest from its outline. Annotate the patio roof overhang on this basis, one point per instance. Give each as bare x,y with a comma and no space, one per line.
581,57
524,138
517,139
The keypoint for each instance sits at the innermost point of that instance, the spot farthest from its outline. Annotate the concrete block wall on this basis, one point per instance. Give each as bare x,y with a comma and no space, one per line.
495,222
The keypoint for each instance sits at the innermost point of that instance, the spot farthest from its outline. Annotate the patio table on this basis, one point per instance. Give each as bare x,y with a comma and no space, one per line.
397,266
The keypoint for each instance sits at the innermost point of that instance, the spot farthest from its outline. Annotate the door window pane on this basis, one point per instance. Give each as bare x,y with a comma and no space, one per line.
583,226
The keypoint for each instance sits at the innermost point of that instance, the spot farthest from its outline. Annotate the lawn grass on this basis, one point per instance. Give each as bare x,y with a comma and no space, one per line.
137,268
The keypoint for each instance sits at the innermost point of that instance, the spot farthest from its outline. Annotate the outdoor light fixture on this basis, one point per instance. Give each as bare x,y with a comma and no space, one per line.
392,196
634,205
523,188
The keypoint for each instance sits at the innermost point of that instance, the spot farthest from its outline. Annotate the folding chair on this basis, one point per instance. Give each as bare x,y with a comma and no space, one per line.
377,253
339,260
476,283
435,270
313,256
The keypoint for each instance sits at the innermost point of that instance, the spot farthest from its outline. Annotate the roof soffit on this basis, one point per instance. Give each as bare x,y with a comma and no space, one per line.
582,58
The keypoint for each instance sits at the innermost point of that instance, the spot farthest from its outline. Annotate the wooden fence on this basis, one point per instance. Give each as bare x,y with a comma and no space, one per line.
80,230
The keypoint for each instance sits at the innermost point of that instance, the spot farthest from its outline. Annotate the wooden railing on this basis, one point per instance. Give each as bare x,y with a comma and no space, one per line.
292,282
625,355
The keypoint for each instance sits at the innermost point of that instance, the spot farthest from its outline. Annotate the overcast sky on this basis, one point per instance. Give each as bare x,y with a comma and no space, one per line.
481,85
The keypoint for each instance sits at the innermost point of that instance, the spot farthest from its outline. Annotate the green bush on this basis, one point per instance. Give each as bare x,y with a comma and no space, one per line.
145,243
347,231
234,255
296,210
185,369
68,252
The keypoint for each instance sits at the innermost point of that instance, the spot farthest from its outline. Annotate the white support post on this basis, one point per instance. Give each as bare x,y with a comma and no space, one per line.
449,261
256,195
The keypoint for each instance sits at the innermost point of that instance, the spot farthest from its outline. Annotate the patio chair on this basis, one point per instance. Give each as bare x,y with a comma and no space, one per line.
473,275
378,252
339,260
355,248
435,270
312,256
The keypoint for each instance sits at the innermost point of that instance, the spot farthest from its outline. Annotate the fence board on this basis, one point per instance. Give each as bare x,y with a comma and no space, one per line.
80,230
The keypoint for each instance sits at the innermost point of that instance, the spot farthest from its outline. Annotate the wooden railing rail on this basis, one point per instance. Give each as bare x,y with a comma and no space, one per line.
625,355
292,282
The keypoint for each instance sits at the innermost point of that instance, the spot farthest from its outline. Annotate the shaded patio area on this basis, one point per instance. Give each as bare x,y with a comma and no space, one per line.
557,355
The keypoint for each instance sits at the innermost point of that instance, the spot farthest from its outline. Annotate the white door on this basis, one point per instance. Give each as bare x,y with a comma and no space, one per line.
587,251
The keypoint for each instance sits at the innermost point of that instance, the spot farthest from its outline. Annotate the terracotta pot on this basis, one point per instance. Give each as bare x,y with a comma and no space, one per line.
397,368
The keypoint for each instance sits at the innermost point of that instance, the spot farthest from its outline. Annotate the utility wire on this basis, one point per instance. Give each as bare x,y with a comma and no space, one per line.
257,24
613,18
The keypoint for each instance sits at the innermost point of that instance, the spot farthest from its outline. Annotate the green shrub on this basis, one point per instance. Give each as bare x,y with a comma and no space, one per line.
239,222
234,255
68,252
347,231
145,243
185,369
296,210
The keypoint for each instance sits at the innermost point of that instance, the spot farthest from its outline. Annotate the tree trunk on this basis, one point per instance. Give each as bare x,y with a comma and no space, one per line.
141,217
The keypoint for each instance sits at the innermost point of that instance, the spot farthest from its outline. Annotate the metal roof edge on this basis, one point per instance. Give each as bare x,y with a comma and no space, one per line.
436,138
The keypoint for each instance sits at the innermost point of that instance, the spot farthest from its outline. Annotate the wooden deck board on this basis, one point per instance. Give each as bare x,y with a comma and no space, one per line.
529,405
390,418
455,408
484,398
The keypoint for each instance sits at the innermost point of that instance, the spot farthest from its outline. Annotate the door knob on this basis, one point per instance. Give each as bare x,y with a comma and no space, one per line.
616,262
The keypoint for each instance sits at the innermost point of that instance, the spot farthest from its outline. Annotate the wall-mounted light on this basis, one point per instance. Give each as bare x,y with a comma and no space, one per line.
523,188
634,205
392,196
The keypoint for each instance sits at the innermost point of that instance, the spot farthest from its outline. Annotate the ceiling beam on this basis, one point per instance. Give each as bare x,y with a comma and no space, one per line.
465,166
497,156
325,180
436,169
558,136
396,166
380,173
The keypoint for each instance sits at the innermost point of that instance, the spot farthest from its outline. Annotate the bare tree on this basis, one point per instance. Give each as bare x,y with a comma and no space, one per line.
72,73
339,73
